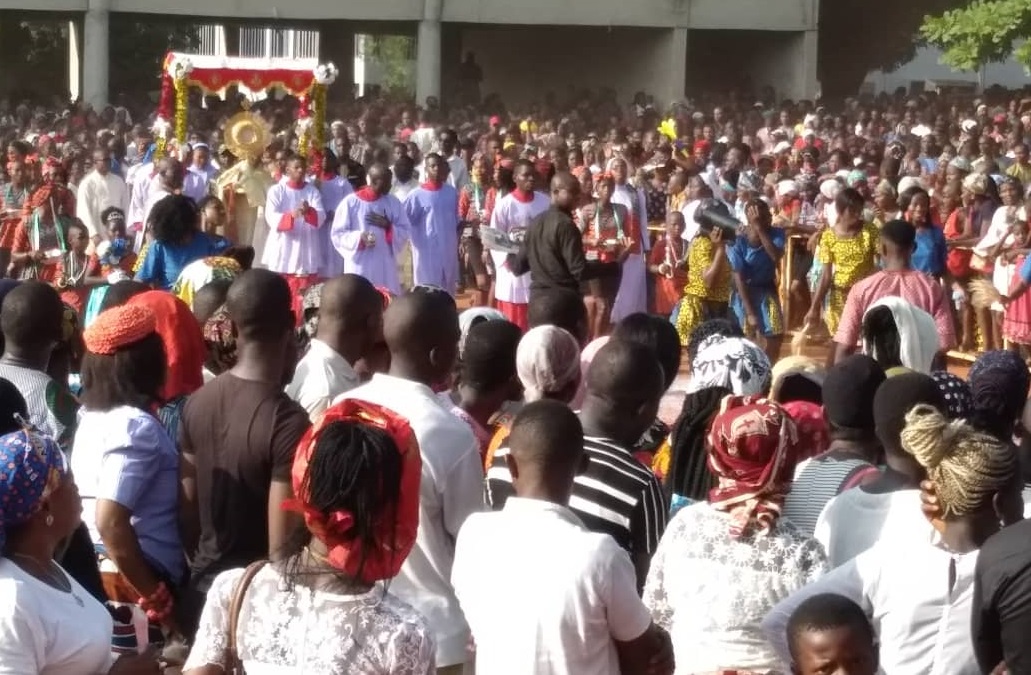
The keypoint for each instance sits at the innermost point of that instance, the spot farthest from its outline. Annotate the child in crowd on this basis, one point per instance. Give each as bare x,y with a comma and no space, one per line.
116,253
931,249
754,258
847,251
707,291
669,264
829,633
77,270
1016,323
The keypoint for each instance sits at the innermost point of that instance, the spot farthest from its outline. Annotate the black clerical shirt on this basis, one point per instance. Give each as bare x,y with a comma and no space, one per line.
553,253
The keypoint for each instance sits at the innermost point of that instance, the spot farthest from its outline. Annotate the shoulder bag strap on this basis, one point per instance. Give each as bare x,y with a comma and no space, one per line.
233,665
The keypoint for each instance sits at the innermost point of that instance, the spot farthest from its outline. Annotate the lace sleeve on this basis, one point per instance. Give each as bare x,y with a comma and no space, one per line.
414,651
655,596
212,634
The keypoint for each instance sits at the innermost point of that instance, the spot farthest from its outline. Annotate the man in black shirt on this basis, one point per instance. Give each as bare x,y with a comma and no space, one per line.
552,250
1002,600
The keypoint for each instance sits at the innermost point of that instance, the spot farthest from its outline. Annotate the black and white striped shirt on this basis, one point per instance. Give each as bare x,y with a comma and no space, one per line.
616,495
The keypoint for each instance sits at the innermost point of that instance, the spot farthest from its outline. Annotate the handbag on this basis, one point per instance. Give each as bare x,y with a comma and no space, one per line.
233,664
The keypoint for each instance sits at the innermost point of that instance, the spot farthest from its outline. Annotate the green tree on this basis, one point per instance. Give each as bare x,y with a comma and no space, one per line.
857,36
394,54
138,48
982,32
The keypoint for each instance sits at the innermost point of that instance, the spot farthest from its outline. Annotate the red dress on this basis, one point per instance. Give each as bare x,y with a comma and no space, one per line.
669,290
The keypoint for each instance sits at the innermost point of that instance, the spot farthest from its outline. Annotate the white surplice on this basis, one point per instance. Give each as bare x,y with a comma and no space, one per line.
297,250
512,216
375,260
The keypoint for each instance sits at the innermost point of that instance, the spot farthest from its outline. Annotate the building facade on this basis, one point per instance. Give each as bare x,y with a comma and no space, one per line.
523,49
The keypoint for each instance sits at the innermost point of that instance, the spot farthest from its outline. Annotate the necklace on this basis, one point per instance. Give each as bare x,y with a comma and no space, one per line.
50,577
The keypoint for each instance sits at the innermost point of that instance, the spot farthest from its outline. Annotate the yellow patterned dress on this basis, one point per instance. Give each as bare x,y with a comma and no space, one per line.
701,302
851,259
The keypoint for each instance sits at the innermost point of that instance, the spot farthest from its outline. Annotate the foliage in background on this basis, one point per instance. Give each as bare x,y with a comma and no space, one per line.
394,55
857,36
34,54
982,32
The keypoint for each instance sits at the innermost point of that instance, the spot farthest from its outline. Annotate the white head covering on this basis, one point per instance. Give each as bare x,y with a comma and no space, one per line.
547,361
472,316
782,146
731,362
830,188
918,334
967,125
909,182
786,187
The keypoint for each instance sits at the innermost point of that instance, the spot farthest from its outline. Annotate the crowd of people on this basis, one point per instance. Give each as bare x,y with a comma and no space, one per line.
393,405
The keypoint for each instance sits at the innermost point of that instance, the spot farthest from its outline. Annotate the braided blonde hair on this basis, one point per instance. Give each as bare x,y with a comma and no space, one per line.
968,467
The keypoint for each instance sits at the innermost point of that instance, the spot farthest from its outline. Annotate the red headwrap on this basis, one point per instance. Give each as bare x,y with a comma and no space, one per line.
183,340
701,146
752,443
119,327
395,529
813,436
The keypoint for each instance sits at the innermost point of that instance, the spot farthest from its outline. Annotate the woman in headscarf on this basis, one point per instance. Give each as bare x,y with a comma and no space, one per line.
39,237
999,383
127,464
356,481
472,316
609,235
897,334
731,362
49,623
548,366
185,353
921,589
798,388
964,228
723,563
200,273
956,393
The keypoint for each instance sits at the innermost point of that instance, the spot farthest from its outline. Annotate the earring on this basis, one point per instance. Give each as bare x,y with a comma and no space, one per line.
49,520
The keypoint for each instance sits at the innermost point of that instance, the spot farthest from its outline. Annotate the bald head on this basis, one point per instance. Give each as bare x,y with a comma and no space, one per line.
421,331
350,315
259,303
565,190
626,375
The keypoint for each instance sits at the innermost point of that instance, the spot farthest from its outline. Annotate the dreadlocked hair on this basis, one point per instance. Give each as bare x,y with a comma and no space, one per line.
967,466
881,333
354,468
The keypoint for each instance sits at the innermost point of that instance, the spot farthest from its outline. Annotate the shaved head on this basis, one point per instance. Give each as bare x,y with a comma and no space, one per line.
625,374
565,190
348,297
31,315
259,303
421,331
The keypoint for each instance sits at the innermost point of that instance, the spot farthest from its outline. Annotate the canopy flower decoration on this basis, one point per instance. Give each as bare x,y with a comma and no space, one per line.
303,78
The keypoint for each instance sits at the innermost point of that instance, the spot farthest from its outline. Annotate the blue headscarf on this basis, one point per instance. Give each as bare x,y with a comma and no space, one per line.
31,468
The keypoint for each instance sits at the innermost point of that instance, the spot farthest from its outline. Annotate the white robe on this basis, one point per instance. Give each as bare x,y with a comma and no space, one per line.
632,296
513,217
433,221
376,262
297,250
333,192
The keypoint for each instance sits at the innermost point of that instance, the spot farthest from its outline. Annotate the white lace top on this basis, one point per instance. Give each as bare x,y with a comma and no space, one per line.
313,632
711,592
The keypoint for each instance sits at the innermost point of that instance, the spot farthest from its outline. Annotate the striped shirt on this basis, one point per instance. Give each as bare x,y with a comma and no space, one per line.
616,495
817,481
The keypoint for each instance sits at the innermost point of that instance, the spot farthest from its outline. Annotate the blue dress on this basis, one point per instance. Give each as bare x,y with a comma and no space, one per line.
930,252
760,275
163,262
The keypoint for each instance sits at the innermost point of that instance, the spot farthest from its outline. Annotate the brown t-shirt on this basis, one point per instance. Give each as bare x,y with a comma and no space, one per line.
242,435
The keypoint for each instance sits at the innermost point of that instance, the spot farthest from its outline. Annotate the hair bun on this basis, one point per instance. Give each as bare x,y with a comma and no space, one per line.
928,435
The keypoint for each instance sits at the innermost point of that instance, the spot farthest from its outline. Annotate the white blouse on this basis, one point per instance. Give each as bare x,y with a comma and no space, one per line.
711,591
45,631
919,598
290,631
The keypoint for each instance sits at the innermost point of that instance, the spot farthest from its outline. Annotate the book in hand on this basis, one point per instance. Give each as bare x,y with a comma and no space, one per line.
496,240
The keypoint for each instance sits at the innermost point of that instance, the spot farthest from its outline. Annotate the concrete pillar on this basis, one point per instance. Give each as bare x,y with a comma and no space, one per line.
808,83
96,54
74,60
676,65
427,60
